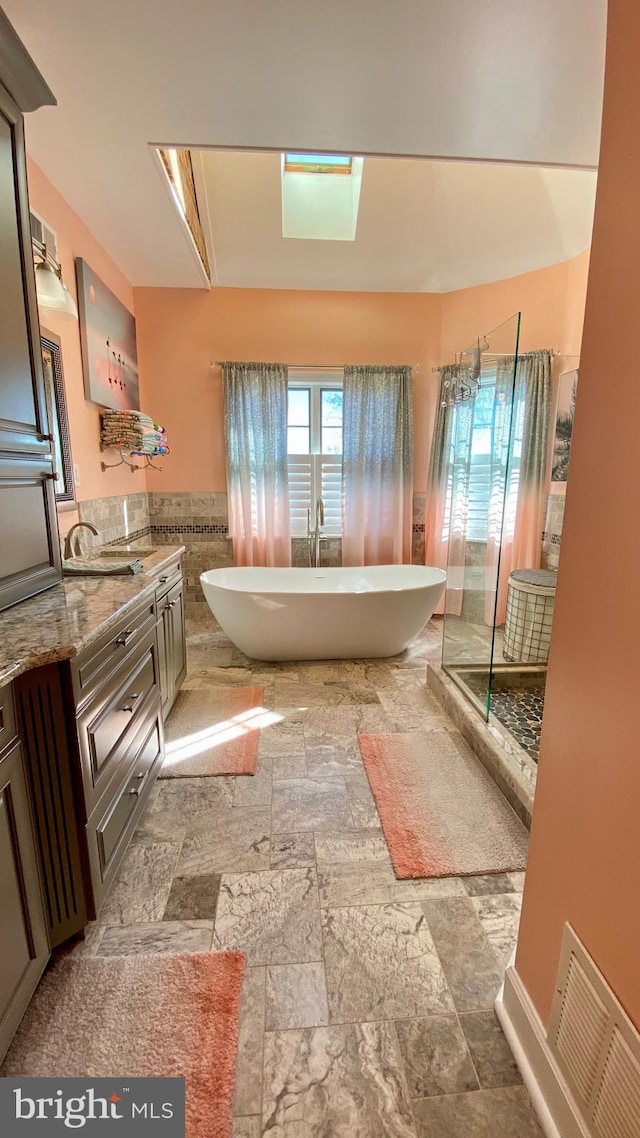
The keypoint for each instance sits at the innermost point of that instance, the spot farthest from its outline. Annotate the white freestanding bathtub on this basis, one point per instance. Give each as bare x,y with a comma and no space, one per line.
323,614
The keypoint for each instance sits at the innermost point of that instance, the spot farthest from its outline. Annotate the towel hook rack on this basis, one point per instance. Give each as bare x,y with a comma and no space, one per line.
133,466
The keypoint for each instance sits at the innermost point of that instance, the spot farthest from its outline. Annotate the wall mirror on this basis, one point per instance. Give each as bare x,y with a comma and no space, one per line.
57,411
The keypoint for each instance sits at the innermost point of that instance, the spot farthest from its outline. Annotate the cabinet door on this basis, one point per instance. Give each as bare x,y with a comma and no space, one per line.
23,416
178,651
30,548
172,652
163,663
24,949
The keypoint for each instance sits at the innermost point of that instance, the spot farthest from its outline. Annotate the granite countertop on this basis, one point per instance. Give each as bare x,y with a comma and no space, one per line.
60,622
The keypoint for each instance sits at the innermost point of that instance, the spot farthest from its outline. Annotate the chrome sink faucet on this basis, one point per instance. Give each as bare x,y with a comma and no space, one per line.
72,546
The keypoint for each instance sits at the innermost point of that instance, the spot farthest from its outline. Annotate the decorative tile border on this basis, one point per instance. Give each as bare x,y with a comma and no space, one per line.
187,526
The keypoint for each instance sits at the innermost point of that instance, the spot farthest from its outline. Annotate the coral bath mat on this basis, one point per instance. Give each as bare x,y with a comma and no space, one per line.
123,1016
214,732
441,812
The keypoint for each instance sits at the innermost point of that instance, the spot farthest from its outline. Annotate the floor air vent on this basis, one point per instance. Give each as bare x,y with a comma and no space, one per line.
595,1045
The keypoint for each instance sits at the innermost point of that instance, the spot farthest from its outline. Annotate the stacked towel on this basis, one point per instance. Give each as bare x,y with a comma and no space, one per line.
134,432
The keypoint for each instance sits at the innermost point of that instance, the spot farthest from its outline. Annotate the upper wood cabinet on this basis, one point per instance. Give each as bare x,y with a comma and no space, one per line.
30,548
23,415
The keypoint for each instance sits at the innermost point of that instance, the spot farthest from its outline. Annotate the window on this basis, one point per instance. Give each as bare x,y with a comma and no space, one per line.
490,487
480,464
314,433
317,164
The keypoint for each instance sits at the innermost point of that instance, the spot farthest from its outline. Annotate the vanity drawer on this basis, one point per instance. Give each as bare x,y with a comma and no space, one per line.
110,826
94,666
7,721
108,725
166,580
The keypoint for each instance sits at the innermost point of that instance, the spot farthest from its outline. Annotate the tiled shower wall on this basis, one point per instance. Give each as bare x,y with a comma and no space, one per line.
199,521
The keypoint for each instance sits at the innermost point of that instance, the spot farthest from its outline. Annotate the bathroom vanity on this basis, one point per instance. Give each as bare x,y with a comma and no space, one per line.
88,671
89,666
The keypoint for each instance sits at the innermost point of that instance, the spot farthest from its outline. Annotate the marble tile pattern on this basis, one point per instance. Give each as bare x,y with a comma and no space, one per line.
116,517
60,622
152,937
193,898
436,1057
296,996
345,1081
367,1005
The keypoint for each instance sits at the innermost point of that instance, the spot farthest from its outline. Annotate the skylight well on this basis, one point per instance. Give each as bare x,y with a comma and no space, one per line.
320,196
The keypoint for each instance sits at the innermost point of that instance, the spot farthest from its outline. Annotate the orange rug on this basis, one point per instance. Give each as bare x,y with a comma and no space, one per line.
214,732
123,1016
441,812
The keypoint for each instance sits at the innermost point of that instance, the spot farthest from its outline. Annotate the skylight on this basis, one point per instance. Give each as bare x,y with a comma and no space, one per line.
316,207
317,164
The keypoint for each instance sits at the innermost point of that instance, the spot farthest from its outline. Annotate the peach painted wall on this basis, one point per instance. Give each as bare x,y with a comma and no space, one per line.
75,240
551,301
180,331
584,862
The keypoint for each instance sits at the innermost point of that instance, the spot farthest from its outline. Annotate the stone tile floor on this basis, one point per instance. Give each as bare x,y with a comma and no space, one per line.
367,1007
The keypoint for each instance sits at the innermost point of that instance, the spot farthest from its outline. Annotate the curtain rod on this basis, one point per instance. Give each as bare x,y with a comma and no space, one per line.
328,367
499,356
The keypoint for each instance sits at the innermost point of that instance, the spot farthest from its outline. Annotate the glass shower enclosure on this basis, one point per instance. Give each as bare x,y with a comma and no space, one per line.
481,459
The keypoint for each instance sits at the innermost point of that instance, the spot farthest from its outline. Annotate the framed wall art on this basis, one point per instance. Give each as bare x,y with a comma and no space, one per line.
567,385
108,340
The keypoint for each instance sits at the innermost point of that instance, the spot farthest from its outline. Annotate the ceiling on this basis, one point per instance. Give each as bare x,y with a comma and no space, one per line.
506,80
422,226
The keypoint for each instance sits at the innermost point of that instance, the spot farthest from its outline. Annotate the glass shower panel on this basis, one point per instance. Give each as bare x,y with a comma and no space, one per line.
477,433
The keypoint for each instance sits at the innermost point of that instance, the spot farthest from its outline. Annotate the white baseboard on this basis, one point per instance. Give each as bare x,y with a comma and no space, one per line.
552,1101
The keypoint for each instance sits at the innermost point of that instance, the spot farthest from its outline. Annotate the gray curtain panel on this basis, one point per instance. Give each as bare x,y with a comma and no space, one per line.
514,532
255,424
377,465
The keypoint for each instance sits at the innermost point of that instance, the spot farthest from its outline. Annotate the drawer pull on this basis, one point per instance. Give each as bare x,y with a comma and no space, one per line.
162,580
137,790
133,697
126,636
